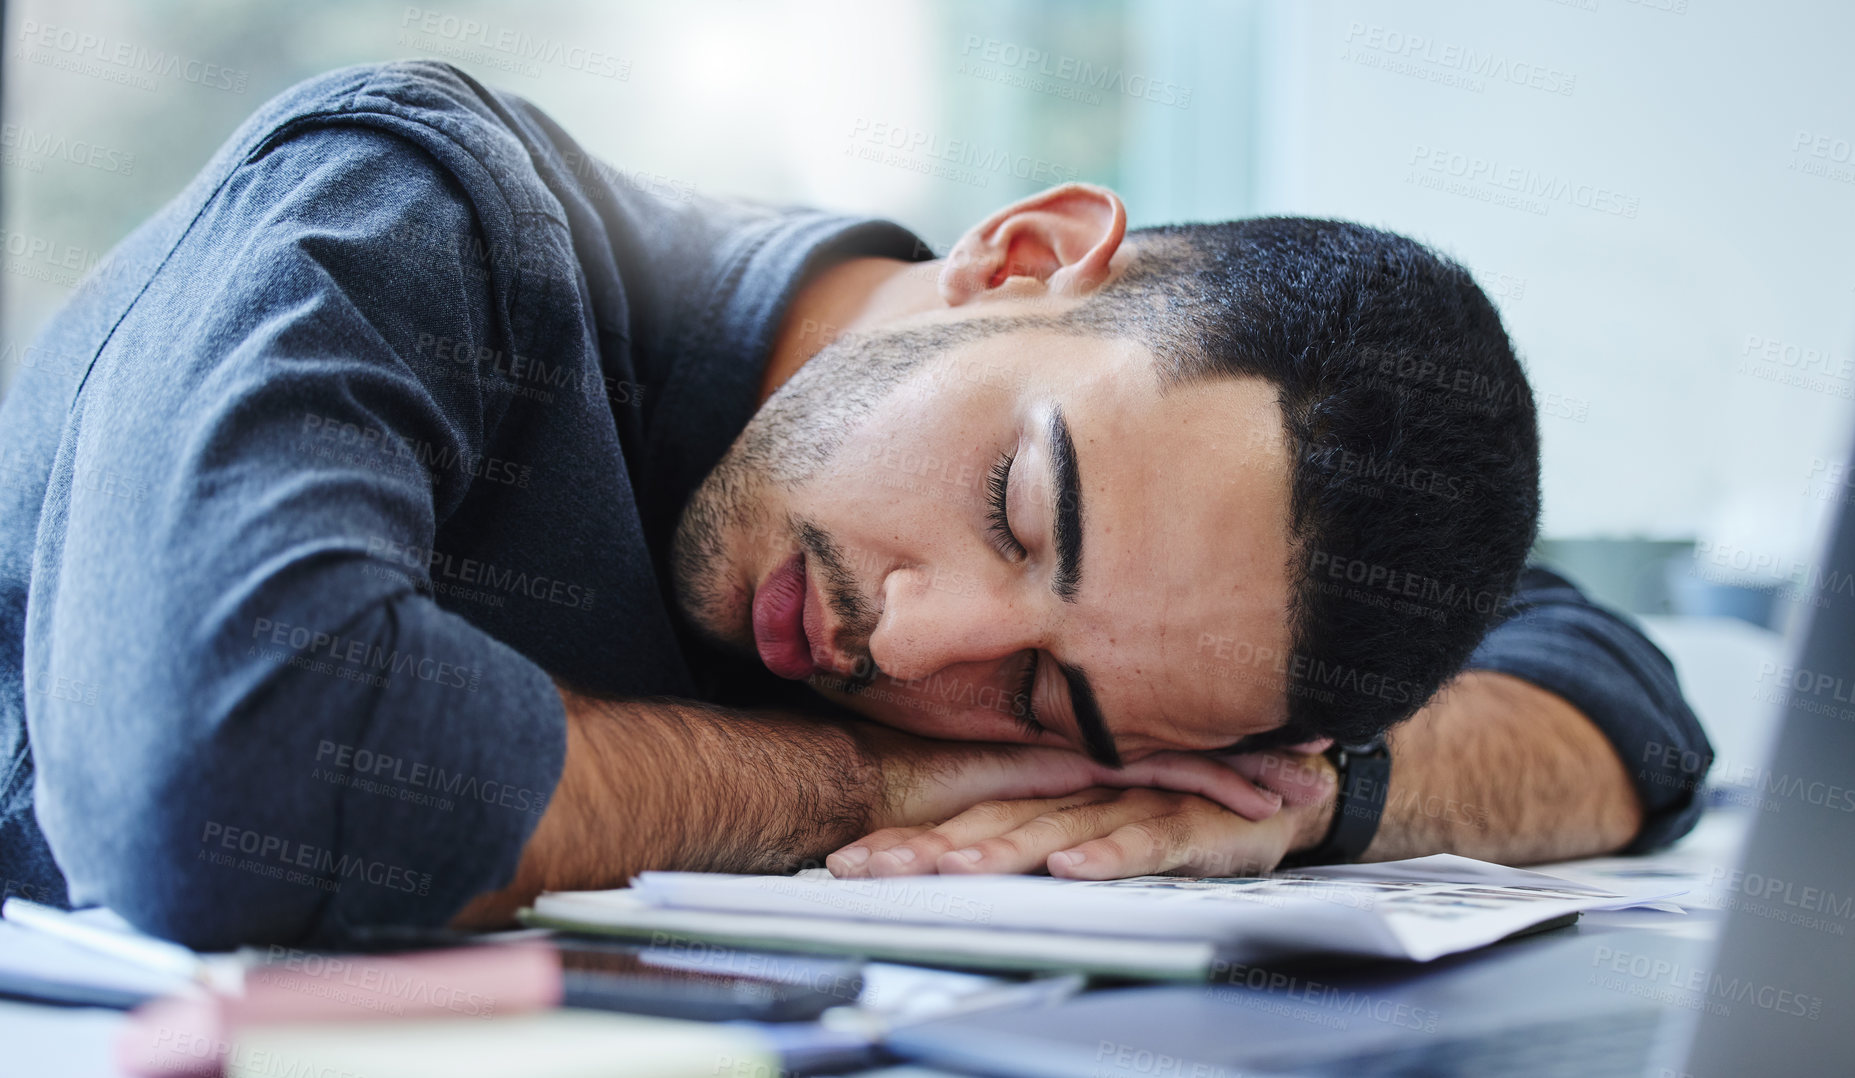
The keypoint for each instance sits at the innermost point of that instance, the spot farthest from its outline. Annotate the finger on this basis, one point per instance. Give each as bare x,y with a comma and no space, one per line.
1142,848
1198,840
921,853
1029,846
1299,779
1191,773
853,860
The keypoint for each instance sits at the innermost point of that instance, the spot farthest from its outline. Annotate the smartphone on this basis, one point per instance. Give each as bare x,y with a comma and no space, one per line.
675,979
689,980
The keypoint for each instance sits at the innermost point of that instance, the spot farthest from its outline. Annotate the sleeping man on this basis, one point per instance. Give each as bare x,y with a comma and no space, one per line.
417,513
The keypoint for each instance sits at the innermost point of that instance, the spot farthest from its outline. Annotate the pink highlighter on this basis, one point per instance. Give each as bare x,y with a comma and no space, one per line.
193,1034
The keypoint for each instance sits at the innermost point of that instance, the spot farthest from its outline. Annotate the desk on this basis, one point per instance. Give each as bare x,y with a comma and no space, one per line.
76,1042
66,1042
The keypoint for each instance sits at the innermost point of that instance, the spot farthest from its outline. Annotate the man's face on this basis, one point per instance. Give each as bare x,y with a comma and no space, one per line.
1129,595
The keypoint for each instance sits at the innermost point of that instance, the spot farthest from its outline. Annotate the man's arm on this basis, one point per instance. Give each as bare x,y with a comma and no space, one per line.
1597,662
1498,769
674,784
669,784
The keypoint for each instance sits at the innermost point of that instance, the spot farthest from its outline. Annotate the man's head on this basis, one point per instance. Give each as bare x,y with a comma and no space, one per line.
1264,481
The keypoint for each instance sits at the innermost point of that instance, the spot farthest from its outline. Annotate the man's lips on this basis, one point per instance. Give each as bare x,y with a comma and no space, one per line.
779,621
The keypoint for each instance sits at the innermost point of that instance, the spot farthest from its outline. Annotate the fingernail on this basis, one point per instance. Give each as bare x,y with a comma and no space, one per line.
1066,859
902,855
854,856
969,855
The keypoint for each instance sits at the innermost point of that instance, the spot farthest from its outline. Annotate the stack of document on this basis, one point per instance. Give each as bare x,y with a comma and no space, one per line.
1152,927
93,958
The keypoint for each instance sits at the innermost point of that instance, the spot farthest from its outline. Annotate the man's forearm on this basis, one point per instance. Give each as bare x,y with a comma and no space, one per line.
1499,769
674,784
671,784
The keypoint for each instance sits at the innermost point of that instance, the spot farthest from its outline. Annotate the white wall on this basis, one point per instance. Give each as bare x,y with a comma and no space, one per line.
1636,323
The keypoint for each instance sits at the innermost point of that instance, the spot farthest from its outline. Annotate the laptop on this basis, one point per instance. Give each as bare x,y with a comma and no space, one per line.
1772,992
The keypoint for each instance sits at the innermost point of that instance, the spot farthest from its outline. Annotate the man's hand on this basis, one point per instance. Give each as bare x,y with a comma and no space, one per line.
927,780
1101,833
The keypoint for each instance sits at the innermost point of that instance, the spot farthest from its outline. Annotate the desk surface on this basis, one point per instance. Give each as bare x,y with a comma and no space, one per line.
76,1042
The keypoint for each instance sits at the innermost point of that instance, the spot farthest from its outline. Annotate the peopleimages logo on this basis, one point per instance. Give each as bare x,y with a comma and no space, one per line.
1523,188
1063,76
1805,897
513,44
1772,359
25,140
1396,581
1810,683
443,564
1731,563
1331,1001
356,444
959,160
351,658
123,61
1307,675
1468,61
345,761
63,263
1695,987
279,857
1385,472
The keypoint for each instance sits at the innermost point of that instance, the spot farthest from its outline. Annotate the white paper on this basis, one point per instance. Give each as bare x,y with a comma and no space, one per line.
987,948
1416,909
35,954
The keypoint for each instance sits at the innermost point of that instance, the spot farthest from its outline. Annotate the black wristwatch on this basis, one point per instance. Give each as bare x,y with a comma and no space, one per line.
1365,781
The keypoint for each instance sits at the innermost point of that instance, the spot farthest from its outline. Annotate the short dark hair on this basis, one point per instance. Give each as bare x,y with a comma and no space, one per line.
1414,493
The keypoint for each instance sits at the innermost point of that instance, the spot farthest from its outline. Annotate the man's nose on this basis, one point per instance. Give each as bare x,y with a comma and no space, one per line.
935,618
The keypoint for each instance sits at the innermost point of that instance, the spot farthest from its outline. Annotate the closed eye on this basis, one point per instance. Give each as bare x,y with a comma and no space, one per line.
998,484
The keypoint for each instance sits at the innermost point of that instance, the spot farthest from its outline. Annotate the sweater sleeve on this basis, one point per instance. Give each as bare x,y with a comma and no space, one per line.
277,733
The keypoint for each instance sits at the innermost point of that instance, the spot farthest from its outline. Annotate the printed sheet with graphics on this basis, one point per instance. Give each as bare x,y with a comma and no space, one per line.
1416,909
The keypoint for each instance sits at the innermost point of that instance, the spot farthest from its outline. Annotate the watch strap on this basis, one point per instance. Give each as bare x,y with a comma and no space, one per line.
1364,784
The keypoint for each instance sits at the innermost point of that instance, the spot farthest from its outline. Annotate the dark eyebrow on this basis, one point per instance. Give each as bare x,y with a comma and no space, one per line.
1066,522
1095,736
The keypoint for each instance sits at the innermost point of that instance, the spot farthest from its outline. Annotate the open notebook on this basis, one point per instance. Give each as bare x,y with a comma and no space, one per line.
1152,927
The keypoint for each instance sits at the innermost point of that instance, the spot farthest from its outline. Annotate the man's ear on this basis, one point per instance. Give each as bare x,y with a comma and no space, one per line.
1063,238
